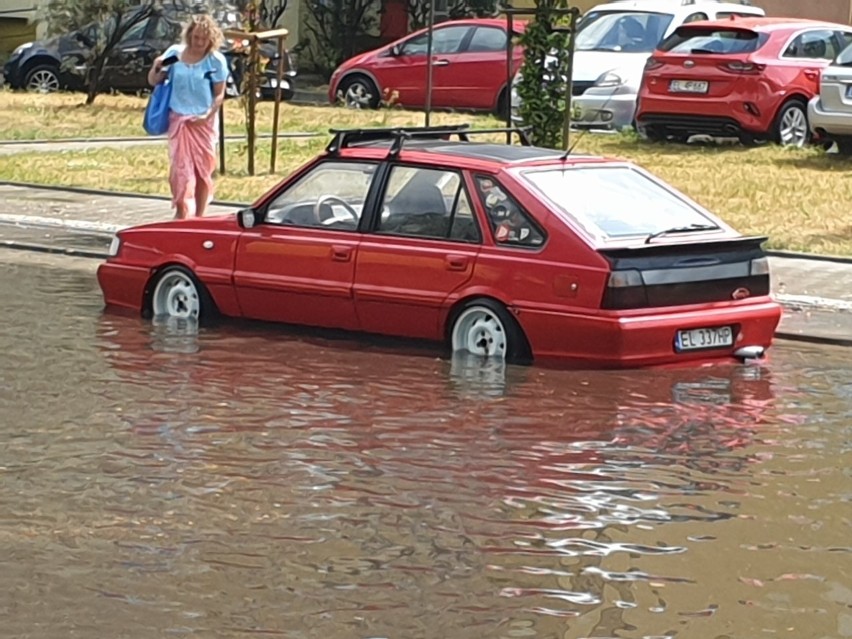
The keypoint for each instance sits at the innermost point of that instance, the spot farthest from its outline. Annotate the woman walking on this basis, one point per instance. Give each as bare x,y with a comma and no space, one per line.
198,88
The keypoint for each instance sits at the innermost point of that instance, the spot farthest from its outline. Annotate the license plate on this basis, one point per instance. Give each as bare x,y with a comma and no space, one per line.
688,86
700,338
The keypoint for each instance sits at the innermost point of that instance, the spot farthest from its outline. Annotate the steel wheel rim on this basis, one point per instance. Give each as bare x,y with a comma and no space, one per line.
480,332
43,81
358,96
794,127
176,296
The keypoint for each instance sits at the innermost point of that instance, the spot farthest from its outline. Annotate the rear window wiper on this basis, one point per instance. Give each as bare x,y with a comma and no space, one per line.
692,228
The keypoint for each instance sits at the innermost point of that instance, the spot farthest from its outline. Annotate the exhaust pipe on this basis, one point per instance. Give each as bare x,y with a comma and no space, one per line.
750,352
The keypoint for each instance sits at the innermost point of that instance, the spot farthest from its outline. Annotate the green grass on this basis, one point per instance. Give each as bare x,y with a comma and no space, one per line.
797,197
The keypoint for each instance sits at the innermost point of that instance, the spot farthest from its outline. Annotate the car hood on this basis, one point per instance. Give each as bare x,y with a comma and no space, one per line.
590,65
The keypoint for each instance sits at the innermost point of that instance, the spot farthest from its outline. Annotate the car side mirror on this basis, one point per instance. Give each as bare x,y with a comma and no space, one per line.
246,218
85,40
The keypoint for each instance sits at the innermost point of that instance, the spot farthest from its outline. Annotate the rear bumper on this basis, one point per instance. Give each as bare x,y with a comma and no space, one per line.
693,117
613,341
828,123
123,286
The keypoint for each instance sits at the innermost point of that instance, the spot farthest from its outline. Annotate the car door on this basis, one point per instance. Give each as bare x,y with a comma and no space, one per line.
403,76
422,249
297,265
127,65
474,77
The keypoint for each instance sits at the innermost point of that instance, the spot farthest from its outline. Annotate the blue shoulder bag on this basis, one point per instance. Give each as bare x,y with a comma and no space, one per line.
156,120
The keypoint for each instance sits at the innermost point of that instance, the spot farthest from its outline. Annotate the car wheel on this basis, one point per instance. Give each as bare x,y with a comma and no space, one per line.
42,79
358,92
649,133
791,124
179,294
844,146
485,328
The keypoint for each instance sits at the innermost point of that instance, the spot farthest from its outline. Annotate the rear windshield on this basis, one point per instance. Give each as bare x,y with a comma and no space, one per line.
615,202
627,31
714,40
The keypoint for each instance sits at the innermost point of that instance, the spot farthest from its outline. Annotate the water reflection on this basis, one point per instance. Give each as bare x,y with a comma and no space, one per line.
245,480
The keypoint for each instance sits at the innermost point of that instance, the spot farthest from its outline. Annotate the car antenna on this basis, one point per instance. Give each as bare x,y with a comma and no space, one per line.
571,148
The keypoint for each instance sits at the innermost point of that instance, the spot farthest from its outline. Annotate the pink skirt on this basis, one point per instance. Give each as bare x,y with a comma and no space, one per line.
192,156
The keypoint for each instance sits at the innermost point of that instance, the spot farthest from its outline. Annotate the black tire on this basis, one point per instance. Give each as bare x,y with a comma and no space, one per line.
502,108
42,78
483,327
790,127
175,292
649,133
844,146
358,92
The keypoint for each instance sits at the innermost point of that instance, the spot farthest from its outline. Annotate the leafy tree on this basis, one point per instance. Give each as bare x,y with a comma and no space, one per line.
336,26
267,12
418,10
102,24
542,84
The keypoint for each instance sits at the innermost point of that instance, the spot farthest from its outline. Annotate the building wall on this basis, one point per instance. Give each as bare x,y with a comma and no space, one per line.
831,10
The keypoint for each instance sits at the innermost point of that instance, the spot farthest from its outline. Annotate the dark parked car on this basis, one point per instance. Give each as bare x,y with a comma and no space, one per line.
60,62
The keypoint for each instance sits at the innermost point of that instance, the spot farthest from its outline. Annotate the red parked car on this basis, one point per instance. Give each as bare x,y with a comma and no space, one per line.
468,69
750,78
504,251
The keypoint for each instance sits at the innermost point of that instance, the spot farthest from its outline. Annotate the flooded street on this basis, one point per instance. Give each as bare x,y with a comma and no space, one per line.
251,481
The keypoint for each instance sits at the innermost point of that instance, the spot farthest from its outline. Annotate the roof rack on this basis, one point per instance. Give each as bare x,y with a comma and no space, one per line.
344,138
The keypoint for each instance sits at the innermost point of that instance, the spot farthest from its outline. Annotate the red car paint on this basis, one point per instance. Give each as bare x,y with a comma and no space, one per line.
746,81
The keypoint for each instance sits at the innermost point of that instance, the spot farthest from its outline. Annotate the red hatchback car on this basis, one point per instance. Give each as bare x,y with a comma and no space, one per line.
505,251
750,78
468,69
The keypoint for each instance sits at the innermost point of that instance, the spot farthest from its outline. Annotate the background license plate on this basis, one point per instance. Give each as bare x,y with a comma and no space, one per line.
688,86
699,338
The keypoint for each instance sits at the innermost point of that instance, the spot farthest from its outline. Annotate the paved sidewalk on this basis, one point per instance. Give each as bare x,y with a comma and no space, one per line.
816,293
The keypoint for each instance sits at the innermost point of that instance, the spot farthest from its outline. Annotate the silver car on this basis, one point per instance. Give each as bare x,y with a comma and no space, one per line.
830,111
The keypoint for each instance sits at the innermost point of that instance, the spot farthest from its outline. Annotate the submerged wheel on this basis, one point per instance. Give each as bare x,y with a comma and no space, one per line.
42,79
791,124
178,294
486,329
359,92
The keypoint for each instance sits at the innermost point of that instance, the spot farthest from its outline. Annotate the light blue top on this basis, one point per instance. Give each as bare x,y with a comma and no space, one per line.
192,93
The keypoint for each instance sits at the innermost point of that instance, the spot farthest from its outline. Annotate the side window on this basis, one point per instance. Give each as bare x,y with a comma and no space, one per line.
817,45
845,38
487,39
166,30
446,40
136,32
429,203
510,225
695,17
331,195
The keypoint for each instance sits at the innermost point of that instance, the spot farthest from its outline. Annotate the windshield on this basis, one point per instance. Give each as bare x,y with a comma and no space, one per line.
628,31
616,201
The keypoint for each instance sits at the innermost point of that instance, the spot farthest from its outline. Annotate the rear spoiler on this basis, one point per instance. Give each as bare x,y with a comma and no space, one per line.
745,244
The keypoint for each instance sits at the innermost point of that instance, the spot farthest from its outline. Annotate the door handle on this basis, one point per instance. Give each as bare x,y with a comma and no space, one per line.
440,63
456,263
341,253
811,74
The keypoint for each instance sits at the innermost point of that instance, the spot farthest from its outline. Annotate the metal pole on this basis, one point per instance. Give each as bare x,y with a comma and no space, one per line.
569,85
429,60
509,27
274,151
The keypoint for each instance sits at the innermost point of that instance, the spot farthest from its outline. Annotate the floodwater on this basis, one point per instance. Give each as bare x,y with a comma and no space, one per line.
256,482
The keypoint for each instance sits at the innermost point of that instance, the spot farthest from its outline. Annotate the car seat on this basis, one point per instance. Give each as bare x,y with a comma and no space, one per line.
815,49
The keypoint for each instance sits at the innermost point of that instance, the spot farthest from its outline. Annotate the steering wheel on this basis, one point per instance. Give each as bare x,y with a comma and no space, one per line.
329,199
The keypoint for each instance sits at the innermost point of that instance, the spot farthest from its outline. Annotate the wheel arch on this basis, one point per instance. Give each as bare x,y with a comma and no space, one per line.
466,300
793,96
354,73
37,60
157,271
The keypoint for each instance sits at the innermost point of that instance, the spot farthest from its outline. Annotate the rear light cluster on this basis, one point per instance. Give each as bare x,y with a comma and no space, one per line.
652,64
625,289
745,68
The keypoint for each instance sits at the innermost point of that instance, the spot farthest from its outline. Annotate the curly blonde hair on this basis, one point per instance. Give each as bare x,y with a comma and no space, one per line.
207,25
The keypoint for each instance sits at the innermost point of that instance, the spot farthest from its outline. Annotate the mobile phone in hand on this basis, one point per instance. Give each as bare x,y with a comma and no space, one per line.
168,61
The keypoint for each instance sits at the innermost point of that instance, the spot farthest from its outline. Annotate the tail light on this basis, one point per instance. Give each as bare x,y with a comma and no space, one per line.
746,68
625,289
652,64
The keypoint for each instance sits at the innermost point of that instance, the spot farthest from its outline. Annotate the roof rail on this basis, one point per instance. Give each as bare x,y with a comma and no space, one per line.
344,138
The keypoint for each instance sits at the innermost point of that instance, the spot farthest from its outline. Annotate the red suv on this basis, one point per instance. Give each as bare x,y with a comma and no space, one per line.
750,78
468,69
